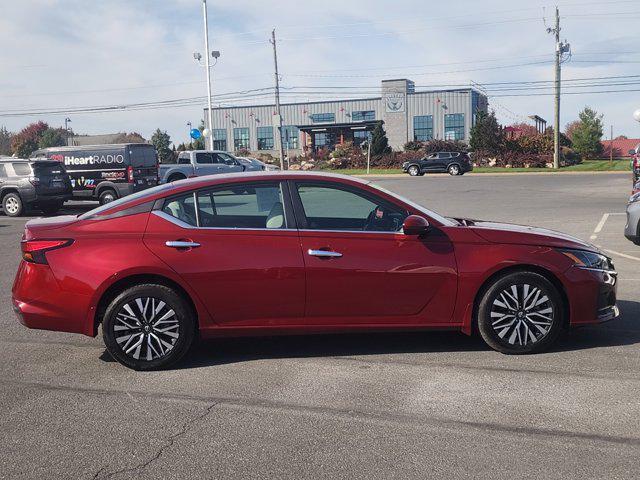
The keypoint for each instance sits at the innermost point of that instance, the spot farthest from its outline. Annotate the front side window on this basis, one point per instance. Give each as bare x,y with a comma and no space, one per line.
323,117
265,138
242,206
335,208
454,126
219,139
240,138
423,128
362,115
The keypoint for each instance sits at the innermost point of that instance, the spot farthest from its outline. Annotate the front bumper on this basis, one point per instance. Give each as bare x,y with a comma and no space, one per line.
632,228
592,296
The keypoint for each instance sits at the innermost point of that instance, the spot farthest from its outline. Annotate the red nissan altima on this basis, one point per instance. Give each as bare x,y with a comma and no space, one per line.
296,253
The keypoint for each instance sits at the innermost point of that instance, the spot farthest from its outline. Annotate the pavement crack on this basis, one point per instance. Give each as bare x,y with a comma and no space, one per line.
169,442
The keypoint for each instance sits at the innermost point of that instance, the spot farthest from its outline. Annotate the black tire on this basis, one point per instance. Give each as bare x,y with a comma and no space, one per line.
51,208
107,195
414,170
516,332
12,205
168,349
454,169
175,178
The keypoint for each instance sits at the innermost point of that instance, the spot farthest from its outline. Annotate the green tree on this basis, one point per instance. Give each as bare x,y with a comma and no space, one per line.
379,141
53,137
587,135
162,141
5,141
486,134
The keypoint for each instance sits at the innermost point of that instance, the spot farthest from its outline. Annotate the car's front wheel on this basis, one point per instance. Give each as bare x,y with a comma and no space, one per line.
414,170
148,327
521,312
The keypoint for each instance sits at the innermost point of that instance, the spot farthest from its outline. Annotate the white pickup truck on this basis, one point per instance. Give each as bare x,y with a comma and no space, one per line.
196,163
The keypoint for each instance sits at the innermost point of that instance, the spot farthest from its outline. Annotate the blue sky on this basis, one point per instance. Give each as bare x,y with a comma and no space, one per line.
70,53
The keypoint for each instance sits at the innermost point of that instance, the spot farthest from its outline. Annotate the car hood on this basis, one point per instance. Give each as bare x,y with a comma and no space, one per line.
495,232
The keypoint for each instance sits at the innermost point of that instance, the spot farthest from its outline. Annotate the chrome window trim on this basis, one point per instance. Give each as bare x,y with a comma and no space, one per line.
399,232
188,226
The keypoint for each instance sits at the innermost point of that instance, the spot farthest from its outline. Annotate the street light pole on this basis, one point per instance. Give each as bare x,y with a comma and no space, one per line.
67,121
206,64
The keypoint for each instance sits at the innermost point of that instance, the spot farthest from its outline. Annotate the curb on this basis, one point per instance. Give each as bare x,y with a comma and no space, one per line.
490,174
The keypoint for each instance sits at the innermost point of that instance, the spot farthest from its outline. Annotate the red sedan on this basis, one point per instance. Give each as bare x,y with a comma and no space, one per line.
297,253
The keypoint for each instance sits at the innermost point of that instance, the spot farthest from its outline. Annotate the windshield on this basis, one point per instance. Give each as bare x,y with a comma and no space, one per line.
135,196
437,217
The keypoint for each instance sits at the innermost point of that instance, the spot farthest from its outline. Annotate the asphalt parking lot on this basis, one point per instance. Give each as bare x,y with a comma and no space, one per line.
411,405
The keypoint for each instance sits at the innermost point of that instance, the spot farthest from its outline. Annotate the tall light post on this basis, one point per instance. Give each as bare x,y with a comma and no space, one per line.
67,121
206,65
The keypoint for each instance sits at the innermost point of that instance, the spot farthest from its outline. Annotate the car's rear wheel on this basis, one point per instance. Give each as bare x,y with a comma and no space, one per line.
12,205
520,313
148,327
414,170
107,196
175,178
454,169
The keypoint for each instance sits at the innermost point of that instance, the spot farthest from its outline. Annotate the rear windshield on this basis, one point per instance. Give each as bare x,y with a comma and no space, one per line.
135,196
142,156
48,168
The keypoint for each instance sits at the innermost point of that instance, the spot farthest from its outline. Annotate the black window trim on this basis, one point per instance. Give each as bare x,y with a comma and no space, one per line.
301,218
290,221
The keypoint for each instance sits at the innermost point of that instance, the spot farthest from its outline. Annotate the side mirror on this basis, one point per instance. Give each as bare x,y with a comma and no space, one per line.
415,225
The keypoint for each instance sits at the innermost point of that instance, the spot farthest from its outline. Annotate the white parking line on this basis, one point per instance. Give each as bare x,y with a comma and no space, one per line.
624,255
601,223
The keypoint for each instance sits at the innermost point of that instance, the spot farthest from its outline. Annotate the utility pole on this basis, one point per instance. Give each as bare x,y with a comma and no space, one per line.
206,65
560,49
611,146
279,119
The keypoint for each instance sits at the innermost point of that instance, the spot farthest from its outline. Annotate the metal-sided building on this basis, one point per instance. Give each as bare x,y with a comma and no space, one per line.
406,114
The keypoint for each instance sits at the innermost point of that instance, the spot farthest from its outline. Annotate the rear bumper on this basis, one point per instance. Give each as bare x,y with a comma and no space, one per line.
39,303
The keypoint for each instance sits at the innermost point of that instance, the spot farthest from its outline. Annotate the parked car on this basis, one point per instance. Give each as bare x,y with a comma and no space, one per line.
196,163
253,164
32,183
106,172
318,252
635,164
454,163
632,228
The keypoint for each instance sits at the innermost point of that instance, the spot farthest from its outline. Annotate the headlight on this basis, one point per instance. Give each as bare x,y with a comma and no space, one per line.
589,260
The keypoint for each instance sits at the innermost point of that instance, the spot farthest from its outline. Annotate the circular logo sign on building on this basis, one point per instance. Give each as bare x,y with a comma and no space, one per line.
395,101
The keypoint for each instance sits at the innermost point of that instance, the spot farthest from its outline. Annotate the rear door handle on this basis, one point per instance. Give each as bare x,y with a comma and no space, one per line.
324,253
181,244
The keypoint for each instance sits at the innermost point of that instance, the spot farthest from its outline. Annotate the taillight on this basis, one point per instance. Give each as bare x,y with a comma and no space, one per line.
130,173
34,250
35,181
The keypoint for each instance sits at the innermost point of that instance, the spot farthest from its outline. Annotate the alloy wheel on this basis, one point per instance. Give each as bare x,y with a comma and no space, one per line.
454,170
413,171
12,206
522,314
146,328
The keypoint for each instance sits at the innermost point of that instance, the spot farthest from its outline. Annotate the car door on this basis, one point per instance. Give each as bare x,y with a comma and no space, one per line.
361,269
430,163
207,164
236,247
443,161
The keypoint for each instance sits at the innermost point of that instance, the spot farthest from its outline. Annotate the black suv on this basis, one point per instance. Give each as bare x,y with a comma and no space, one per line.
33,183
455,163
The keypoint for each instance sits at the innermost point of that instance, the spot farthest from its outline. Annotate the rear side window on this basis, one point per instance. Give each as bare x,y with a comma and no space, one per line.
183,208
204,158
21,169
3,171
242,206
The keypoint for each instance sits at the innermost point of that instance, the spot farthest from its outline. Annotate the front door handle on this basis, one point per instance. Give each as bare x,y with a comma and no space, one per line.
324,253
181,244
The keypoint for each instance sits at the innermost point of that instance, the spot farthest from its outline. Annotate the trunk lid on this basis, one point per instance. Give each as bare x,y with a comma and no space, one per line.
40,227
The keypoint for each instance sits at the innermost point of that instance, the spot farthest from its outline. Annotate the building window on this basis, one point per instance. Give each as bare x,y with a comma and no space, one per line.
323,117
265,138
360,136
363,115
241,138
324,140
290,135
423,128
454,126
220,139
